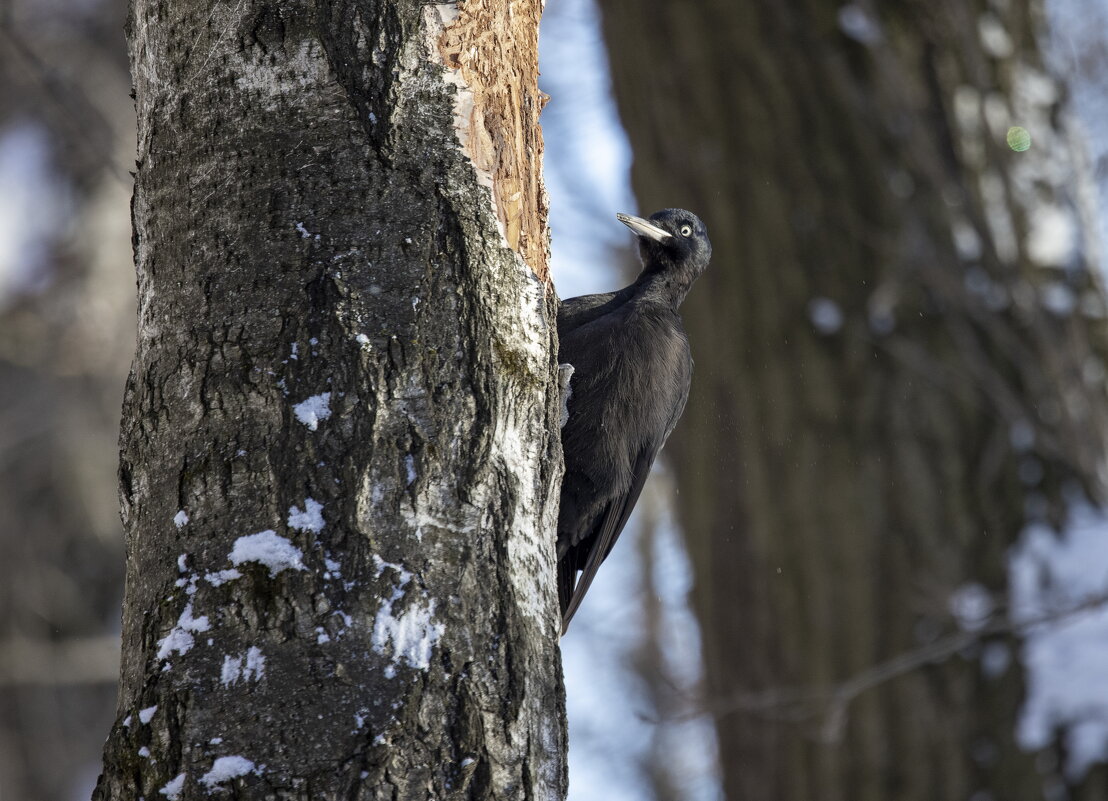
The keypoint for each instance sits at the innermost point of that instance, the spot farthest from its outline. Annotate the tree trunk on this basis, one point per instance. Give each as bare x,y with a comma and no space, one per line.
898,368
339,446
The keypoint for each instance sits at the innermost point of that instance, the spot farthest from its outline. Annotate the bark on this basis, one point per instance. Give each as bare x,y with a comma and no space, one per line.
896,371
339,444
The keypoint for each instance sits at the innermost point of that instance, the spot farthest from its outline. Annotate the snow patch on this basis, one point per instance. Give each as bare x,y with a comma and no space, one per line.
410,635
147,715
181,518
179,639
221,577
308,519
172,789
268,548
248,667
314,410
226,768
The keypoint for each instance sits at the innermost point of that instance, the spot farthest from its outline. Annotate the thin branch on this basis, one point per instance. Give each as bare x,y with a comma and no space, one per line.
832,704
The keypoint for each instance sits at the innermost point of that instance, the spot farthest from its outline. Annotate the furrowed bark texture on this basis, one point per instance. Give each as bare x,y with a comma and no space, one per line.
897,369
339,446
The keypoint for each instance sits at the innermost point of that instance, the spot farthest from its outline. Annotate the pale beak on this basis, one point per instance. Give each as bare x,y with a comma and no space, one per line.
644,228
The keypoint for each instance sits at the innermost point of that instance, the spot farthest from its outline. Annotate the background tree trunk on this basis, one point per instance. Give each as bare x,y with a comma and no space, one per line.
339,440
898,367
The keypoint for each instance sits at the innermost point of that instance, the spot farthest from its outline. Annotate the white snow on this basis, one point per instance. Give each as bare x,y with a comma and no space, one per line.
147,715
220,577
411,635
314,410
255,663
176,641
144,752
180,639
182,564
308,519
409,466
1066,658
226,768
268,548
181,518
304,232
173,787
248,667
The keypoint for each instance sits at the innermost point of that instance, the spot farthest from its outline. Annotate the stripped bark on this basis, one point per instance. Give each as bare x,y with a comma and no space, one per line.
339,448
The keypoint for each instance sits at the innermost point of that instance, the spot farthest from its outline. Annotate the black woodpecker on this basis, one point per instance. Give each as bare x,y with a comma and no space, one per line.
631,374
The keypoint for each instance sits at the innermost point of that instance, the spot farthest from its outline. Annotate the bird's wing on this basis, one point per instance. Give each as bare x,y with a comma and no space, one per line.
619,509
608,530
576,312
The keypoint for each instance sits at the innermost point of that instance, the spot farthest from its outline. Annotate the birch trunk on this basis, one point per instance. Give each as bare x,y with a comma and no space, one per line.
339,443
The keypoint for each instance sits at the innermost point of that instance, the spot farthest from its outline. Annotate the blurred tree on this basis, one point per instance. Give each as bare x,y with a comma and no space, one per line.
340,430
66,335
899,366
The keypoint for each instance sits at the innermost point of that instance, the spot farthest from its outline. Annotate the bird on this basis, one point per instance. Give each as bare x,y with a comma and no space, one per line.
631,372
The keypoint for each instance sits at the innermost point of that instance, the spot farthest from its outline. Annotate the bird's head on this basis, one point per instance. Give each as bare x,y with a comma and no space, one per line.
671,240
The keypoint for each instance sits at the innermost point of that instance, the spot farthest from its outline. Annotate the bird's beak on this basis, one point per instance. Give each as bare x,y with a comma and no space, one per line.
644,227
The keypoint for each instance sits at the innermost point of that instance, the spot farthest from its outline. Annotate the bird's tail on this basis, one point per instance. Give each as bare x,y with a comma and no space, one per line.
567,580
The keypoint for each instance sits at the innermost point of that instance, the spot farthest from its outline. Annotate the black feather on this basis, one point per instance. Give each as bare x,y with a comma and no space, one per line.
632,371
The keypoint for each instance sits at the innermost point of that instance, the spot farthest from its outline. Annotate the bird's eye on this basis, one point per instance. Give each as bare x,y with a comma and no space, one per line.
686,230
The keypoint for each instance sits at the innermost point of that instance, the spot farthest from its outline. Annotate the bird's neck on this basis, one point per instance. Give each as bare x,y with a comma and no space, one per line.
664,285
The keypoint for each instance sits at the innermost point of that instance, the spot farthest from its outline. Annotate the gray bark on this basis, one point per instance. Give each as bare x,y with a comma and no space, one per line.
341,360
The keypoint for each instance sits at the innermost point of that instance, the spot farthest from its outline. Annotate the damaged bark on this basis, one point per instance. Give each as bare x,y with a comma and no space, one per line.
340,457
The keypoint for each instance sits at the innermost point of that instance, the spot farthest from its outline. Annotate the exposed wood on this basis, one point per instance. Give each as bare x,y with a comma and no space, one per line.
492,45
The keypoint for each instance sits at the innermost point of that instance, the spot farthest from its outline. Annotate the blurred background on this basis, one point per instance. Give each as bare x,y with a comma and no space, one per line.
874,563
